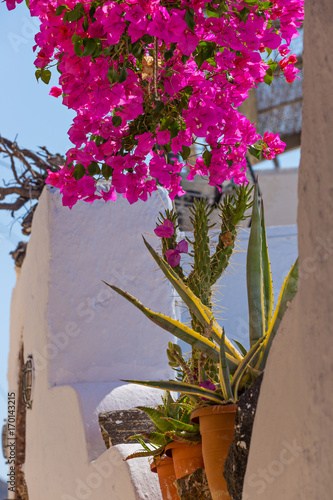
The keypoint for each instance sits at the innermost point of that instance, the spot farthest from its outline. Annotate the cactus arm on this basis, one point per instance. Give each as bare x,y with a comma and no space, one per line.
202,312
254,276
178,329
172,385
267,275
171,243
287,293
232,213
199,279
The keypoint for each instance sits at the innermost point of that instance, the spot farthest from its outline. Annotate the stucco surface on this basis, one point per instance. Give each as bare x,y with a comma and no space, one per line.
84,339
291,451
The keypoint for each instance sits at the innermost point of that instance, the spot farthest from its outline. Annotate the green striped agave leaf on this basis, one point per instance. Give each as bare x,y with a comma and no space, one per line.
287,293
224,372
267,275
254,275
182,387
201,312
244,365
177,328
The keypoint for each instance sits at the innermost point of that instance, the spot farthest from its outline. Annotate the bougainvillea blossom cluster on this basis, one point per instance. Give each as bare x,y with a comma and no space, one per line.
150,78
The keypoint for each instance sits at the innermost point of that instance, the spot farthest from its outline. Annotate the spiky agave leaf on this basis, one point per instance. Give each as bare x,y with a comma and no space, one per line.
182,426
157,416
186,438
267,275
224,372
287,293
182,387
254,275
177,328
202,312
152,453
243,366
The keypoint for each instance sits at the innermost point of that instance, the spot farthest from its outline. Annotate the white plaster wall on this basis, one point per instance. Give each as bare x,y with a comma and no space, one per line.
279,190
291,452
84,338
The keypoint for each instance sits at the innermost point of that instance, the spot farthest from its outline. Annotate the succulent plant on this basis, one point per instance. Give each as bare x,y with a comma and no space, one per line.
172,422
236,368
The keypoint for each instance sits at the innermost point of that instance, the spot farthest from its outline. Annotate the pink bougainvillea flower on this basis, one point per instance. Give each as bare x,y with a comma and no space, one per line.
55,92
163,137
272,145
165,230
173,256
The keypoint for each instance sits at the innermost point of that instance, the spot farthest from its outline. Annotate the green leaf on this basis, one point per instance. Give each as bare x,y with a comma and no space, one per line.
189,19
78,48
287,293
158,106
168,54
112,75
200,311
182,426
106,171
45,76
158,418
181,387
60,9
94,169
123,75
85,24
254,151
152,453
207,158
267,275
79,171
241,347
38,73
90,46
116,121
254,276
244,14
224,371
268,79
243,366
186,151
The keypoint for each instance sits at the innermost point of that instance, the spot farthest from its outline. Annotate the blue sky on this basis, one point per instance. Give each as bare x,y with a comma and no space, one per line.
28,112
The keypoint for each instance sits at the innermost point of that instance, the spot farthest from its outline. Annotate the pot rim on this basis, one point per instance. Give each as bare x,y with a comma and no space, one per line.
210,410
176,444
166,460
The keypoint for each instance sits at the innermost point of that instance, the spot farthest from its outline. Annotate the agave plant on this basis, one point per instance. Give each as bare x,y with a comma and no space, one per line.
172,423
237,367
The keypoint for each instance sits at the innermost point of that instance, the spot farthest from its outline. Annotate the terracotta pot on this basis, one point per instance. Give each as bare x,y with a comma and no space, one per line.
217,432
186,458
166,476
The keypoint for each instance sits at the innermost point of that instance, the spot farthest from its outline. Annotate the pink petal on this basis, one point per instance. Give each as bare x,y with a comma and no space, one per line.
165,230
182,246
172,257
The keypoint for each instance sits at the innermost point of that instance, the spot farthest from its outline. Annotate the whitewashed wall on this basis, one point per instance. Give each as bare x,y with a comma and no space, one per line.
85,338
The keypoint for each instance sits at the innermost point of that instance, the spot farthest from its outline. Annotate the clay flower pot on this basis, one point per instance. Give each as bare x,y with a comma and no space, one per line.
166,476
186,458
217,432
